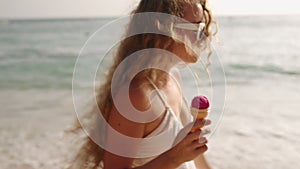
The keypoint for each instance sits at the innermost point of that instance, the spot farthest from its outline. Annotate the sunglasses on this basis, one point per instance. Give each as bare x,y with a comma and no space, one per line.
197,28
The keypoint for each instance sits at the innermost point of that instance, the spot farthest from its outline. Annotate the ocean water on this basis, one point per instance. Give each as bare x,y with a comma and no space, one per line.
261,59
41,53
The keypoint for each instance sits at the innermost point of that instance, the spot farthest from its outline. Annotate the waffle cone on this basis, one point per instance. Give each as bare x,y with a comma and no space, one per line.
199,113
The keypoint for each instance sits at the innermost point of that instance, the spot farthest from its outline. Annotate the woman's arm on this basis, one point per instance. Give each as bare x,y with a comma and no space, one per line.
185,150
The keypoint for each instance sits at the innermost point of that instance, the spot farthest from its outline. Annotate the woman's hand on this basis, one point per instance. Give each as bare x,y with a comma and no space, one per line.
189,145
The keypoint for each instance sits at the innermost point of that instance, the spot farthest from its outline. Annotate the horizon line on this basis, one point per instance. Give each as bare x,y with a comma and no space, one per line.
120,16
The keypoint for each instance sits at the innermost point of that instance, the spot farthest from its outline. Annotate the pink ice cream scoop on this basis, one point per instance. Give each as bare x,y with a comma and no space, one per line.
200,107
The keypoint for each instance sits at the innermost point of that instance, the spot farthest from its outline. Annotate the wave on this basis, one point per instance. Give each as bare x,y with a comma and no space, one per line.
265,68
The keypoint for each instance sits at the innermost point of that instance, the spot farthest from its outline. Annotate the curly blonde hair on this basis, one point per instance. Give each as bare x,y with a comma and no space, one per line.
90,154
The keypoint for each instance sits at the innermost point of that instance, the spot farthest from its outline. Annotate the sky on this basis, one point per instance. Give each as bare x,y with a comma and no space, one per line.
98,8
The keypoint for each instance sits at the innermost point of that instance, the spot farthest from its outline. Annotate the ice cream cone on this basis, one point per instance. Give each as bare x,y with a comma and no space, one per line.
199,113
200,107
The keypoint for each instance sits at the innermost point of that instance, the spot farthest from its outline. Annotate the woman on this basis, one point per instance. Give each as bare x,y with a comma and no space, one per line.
155,88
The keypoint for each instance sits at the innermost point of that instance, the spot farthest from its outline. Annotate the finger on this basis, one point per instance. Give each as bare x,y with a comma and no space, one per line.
202,140
200,124
198,135
207,122
203,122
201,149
199,143
194,136
197,125
205,131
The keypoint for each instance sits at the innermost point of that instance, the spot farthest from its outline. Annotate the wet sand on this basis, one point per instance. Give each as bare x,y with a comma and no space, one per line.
258,129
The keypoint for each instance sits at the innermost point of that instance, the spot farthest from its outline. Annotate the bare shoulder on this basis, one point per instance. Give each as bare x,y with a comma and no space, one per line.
139,95
126,102
123,99
136,111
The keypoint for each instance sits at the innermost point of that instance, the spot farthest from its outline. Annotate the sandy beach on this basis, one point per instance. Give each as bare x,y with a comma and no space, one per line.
32,128
258,129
